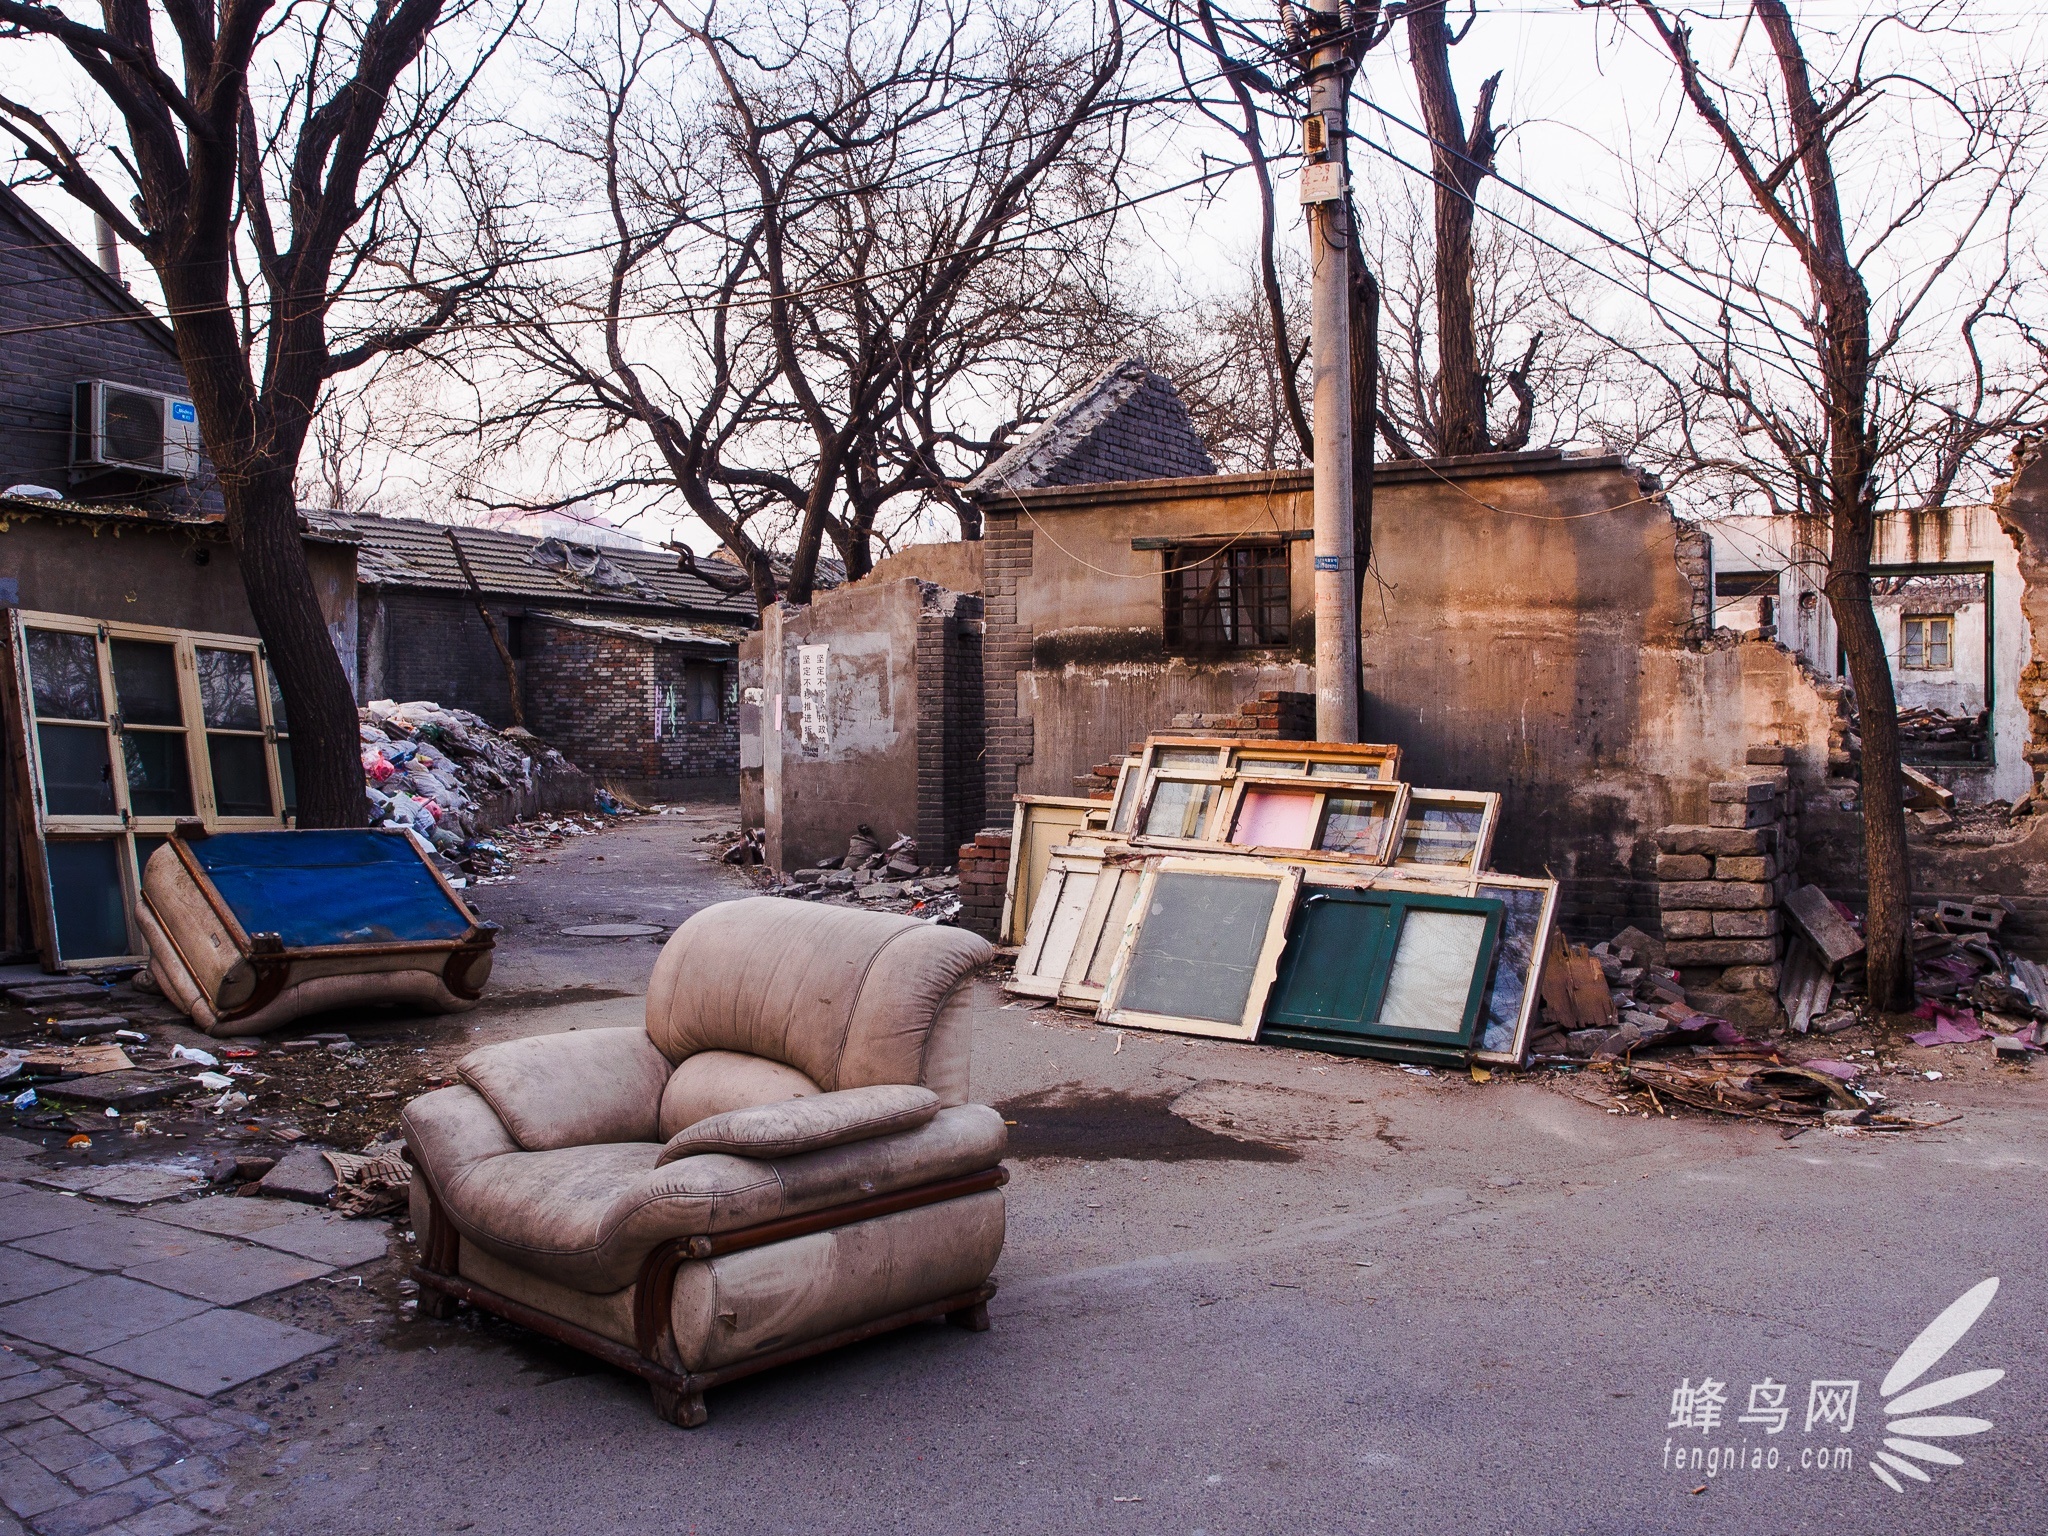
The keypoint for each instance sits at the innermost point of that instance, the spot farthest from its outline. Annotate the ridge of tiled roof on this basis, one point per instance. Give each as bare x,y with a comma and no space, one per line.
1129,423
410,552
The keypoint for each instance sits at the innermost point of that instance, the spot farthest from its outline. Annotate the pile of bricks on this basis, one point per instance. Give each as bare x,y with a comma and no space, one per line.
984,871
1719,886
1269,717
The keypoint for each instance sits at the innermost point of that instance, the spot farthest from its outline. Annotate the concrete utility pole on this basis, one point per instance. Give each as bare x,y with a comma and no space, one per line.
1323,198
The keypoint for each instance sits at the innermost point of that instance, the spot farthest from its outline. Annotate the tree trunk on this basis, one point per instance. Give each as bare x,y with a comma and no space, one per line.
1459,161
263,522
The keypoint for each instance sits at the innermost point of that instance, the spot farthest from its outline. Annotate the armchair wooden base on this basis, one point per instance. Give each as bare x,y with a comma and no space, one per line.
679,1395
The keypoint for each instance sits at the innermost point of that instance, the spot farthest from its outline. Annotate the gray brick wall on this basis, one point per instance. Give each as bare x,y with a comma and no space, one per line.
1006,651
64,327
1149,437
950,735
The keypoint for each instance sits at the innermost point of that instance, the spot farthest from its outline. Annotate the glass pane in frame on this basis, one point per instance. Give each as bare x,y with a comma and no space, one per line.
146,682
241,776
1442,831
1516,964
1197,949
1357,824
64,675
227,689
88,897
78,771
1179,808
1430,981
1276,818
159,778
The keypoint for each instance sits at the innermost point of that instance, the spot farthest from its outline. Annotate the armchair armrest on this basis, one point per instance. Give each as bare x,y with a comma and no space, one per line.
576,1089
808,1124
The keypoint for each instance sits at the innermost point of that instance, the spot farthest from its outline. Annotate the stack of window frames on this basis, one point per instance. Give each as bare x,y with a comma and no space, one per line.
120,732
1405,943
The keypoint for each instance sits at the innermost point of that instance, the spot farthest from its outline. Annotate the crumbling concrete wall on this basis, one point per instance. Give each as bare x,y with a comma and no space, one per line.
2021,505
867,709
1538,625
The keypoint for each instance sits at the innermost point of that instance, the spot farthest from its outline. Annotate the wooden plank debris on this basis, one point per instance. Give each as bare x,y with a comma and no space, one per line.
1831,934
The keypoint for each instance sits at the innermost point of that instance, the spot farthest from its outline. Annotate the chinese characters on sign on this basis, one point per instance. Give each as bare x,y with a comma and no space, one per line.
811,662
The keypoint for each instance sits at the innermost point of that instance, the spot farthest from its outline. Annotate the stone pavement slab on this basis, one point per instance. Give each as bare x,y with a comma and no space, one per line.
100,1510
95,1313
228,1274
119,1243
127,1183
25,1274
226,1215
216,1350
329,1238
303,1175
34,1211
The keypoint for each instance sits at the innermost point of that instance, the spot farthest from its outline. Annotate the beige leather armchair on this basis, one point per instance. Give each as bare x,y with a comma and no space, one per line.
782,1161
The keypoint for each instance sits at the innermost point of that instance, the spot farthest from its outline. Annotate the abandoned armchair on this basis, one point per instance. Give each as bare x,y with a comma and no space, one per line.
782,1161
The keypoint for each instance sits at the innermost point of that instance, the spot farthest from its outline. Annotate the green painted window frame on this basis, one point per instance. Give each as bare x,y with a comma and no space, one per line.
1290,1026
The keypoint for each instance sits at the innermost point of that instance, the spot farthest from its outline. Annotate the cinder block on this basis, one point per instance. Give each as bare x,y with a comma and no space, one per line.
1746,925
1684,952
1742,814
1745,866
1684,866
1715,895
1684,924
1745,791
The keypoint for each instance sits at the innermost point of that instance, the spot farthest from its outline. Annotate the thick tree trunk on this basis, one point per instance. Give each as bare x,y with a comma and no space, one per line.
1889,915
1459,161
263,521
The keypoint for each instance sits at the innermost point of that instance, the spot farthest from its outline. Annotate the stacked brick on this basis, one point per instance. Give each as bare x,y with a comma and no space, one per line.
1719,885
951,742
984,871
1269,717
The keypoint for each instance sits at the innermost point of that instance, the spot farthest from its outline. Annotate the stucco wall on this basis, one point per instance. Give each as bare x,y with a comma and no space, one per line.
1537,627
179,578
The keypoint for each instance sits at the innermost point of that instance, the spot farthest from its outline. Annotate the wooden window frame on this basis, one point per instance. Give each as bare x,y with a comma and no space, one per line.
1927,663
1184,565
1532,986
123,825
1113,1009
1031,814
1056,916
1488,802
1322,788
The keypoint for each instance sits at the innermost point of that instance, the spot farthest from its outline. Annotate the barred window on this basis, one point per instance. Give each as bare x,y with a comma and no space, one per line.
1232,598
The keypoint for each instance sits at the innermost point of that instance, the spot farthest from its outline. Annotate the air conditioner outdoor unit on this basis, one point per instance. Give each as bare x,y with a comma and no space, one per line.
116,426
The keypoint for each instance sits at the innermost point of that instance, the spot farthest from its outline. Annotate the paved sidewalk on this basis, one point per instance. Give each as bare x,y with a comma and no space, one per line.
116,1326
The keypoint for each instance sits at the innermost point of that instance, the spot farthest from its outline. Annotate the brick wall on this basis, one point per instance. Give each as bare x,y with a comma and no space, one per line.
432,645
1005,650
40,287
951,740
984,871
1148,437
594,697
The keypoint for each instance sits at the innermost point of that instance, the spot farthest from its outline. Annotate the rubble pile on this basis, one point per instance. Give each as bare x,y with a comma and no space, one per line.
882,879
1931,733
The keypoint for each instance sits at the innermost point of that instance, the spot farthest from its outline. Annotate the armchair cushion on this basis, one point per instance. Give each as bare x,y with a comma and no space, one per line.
573,1089
711,1082
808,1124
587,1216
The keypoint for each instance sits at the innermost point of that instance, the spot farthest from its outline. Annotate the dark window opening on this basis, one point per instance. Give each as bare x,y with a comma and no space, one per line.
1233,598
515,635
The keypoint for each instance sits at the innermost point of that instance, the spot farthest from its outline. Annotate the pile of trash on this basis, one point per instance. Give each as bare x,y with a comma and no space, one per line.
1935,733
880,879
427,769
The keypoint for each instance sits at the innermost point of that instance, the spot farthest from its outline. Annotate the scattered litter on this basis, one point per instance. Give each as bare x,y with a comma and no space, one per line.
213,1081
195,1055
25,1100
79,1143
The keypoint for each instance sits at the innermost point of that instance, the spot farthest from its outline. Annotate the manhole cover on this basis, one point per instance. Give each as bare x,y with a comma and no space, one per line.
613,931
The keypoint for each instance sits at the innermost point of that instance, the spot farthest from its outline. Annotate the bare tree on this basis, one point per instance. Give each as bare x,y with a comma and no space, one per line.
264,159
1804,393
831,237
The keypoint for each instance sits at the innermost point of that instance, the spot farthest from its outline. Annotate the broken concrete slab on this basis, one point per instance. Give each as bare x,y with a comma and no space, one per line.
226,1216
87,1028
127,1183
52,989
304,1175
330,1238
229,1273
33,1211
1833,937
116,1243
97,1311
27,1274
124,1091
212,1351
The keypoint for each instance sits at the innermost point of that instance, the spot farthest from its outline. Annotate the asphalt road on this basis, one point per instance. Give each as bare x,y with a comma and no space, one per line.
1249,1290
